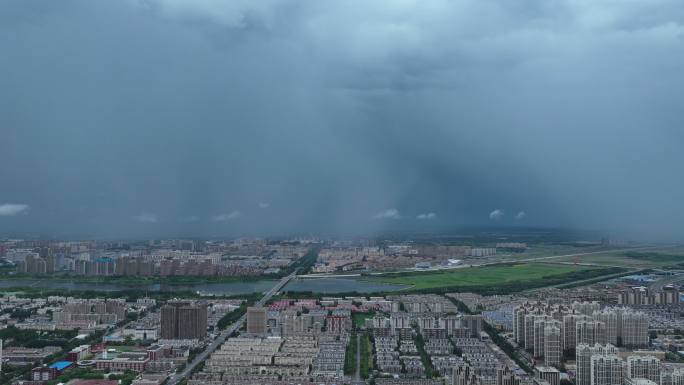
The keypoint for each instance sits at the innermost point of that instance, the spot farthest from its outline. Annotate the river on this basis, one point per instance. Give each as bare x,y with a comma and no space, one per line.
318,285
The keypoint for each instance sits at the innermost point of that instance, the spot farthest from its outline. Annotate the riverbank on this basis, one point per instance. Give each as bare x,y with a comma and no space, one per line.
140,281
328,286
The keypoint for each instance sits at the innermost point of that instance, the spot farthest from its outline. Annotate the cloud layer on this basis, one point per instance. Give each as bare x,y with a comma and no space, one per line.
332,111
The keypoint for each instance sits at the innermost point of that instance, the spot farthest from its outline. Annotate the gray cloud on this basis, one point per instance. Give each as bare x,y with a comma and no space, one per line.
227,217
12,209
330,110
496,214
388,214
145,217
520,215
426,216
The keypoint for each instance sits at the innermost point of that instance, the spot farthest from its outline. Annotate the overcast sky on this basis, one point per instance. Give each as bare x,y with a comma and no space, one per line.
208,117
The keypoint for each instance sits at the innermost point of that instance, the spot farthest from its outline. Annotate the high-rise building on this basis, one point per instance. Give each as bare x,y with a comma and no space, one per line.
552,345
634,329
505,376
569,337
256,320
647,367
635,296
182,320
640,295
548,374
583,354
609,317
534,332
33,264
590,332
669,294
519,325
586,308
607,370
474,324
538,345
672,377
463,374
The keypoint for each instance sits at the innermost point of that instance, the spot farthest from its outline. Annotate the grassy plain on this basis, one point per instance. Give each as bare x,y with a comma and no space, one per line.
640,259
503,277
548,250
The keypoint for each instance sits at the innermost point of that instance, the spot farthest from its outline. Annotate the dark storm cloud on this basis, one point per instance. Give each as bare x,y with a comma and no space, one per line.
240,117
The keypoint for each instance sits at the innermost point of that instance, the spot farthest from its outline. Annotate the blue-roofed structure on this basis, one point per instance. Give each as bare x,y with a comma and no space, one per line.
61,365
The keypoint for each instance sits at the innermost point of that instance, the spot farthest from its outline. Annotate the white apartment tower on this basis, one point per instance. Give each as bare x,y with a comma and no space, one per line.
607,370
590,332
610,318
634,329
539,325
673,377
586,308
647,367
569,330
583,354
552,345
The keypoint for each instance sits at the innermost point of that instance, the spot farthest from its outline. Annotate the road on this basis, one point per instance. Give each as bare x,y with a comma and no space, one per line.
174,379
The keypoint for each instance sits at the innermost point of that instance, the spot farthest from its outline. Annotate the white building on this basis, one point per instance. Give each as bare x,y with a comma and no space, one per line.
583,356
647,367
607,370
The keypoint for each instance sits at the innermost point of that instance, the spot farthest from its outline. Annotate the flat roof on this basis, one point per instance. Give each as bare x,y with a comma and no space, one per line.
61,365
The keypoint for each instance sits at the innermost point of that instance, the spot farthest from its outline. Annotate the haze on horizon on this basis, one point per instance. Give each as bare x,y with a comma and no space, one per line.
206,117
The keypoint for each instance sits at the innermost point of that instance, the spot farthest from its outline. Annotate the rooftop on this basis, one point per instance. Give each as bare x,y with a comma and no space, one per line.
61,365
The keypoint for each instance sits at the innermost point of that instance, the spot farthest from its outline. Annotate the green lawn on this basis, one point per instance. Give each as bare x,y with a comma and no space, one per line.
360,319
350,356
366,355
497,277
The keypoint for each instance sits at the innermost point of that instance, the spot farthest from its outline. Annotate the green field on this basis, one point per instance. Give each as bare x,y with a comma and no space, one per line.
366,355
498,278
350,356
636,258
541,251
359,319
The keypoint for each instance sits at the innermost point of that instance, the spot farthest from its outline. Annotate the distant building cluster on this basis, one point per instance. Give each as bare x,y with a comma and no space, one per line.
168,258
354,257
550,330
641,295
88,314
